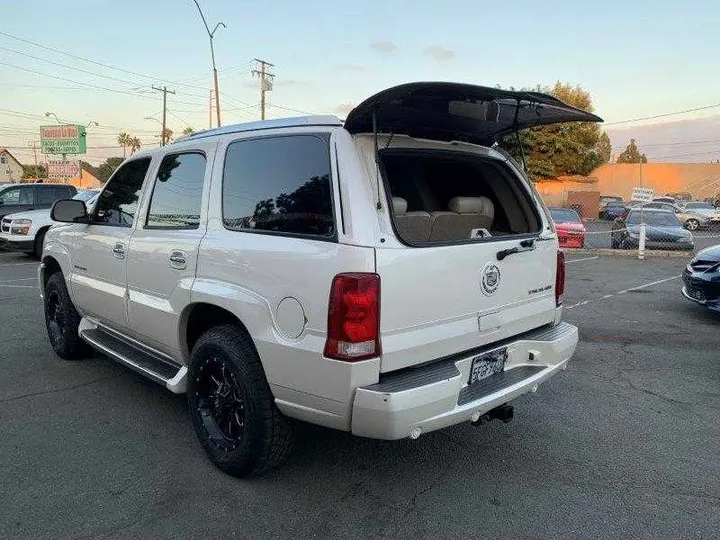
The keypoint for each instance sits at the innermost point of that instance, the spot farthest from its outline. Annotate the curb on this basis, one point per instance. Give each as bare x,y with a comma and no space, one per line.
629,253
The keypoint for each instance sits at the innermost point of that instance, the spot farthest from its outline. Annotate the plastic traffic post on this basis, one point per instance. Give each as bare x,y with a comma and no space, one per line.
641,242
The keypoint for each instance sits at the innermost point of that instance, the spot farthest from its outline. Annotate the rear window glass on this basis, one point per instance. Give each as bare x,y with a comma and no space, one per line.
564,216
279,185
699,206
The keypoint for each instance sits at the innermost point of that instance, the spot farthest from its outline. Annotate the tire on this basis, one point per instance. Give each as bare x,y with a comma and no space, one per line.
39,242
62,321
692,224
232,408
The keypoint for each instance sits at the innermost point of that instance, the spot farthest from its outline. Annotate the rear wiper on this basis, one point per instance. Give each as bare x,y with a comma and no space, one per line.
525,245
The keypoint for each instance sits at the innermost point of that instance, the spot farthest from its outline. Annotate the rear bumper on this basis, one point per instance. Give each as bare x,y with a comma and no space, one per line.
437,395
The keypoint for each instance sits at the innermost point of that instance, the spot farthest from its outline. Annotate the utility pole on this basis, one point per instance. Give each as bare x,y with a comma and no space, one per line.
266,79
31,144
165,92
210,110
211,35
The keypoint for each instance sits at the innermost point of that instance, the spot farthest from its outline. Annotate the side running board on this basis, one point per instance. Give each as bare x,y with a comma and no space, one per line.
152,365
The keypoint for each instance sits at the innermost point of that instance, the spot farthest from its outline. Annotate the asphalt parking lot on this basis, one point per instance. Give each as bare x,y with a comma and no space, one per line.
622,445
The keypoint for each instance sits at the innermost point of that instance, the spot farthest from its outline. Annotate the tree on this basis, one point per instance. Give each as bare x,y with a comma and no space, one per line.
134,145
34,171
123,139
631,154
166,136
188,131
105,170
562,149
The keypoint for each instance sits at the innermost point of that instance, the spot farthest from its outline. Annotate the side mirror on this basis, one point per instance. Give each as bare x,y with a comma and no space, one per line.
69,211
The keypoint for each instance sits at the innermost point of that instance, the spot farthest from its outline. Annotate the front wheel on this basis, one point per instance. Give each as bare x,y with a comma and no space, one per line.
231,405
62,320
692,224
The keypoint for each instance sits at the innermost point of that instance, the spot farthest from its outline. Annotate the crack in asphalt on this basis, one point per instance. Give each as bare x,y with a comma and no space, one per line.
58,390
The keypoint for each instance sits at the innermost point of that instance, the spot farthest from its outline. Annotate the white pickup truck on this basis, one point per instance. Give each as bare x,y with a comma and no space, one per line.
25,231
389,276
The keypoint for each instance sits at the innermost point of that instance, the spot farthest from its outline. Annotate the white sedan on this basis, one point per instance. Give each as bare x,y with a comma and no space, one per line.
25,231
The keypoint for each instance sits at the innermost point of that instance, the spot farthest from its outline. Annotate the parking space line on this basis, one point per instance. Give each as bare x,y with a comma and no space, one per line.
606,296
18,264
648,285
18,286
581,260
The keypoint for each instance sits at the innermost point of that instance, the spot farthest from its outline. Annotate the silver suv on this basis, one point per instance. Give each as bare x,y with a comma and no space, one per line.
388,276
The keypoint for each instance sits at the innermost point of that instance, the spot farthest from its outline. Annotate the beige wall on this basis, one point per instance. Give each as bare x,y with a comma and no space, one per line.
10,171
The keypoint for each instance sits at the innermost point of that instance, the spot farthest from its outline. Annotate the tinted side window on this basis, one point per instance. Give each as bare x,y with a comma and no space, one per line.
118,202
18,195
279,184
48,195
177,194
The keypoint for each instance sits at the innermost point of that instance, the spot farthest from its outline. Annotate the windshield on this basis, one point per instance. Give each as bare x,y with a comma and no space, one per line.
562,215
615,204
658,219
86,195
699,206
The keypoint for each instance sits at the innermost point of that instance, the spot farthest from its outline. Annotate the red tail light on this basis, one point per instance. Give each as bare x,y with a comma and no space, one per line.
560,279
354,317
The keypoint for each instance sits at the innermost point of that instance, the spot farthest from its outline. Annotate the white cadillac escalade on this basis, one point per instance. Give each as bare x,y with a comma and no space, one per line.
389,276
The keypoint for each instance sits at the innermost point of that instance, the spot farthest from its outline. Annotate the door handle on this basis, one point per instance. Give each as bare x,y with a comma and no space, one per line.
525,245
178,259
119,250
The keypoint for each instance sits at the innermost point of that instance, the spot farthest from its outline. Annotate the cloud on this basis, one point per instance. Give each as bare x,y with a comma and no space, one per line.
439,53
343,108
349,67
384,47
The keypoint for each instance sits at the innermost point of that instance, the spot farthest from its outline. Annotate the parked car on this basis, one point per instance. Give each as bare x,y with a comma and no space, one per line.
664,199
570,228
23,197
605,199
690,219
612,210
706,209
25,231
245,265
701,278
663,230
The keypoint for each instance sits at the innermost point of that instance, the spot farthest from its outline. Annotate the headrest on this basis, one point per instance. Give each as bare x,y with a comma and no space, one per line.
472,205
465,205
399,205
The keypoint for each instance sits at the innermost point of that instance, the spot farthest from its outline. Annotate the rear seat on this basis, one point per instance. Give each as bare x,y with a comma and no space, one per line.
463,215
412,226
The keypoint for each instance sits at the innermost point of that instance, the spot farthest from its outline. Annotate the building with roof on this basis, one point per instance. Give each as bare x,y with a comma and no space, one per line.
10,168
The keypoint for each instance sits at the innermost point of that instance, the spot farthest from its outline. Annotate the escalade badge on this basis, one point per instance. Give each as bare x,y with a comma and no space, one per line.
490,279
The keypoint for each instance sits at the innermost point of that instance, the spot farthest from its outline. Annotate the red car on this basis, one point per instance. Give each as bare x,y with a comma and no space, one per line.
570,228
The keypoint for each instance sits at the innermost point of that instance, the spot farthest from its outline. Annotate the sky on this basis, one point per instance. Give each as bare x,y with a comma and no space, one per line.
328,55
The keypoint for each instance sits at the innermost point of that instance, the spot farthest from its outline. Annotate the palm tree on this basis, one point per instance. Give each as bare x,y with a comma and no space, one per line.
188,131
134,144
124,140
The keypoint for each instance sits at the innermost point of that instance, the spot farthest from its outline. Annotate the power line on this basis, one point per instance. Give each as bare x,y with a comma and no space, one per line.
90,61
663,115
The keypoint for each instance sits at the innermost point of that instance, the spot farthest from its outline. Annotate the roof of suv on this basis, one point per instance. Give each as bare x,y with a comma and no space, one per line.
299,121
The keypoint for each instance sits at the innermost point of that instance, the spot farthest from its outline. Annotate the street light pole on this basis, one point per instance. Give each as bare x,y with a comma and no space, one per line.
211,35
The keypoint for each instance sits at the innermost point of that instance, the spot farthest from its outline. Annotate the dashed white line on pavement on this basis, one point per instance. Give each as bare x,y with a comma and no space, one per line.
19,279
581,260
606,296
18,286
18,264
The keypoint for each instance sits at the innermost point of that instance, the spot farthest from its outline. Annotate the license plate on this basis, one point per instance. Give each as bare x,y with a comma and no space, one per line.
697,295
487,364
